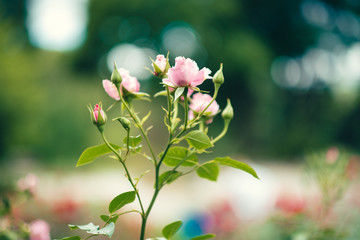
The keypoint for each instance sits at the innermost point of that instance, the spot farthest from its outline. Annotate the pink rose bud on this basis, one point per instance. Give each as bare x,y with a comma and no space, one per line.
39,230
186,73
98,116
160,64
199,102
29,183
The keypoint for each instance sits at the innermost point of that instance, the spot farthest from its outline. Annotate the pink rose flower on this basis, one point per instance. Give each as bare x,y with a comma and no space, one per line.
186,73
111,89
39,230
98,115
130,83
29,183
199,102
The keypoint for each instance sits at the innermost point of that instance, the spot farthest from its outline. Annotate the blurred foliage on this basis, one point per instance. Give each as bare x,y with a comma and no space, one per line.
44,94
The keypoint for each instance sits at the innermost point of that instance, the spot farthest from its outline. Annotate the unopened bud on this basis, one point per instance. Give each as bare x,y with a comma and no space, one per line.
124,122
98,116
161,65
115,76
228,112
218,78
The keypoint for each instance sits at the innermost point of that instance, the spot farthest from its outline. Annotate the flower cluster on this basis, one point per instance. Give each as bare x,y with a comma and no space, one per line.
181,87
184,74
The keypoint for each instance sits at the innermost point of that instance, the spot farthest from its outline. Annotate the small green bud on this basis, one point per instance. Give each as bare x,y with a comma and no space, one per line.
228,112
115,76
124,122
218,78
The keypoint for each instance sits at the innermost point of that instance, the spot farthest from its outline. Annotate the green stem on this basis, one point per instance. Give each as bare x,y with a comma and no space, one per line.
222,134
127,144
158,165
186,106
169,109
179,164
137,122
126,170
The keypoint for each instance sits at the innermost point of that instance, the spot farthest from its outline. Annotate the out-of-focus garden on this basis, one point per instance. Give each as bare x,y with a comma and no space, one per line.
292,72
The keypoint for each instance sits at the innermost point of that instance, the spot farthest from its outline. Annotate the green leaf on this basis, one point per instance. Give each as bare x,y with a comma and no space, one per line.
176,154
209,171
70,238
108,230
170,230
134,141
105,218
198,139
178,92
204,237
87,227
95,229
89,154
121,200
227,161
109,219
168,177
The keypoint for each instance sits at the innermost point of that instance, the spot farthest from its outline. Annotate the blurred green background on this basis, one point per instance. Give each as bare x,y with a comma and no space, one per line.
292,69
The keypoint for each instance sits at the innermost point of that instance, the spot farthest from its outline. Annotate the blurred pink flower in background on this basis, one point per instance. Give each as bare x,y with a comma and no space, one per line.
39,230
291,204
67,210
186,73
199,102
28,183
332,155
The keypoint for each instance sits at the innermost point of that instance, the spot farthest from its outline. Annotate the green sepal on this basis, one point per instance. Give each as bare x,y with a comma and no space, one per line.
227,161
170,230
208,171
204,237
161,93
143,120
198,139
121,200
176,155
91,153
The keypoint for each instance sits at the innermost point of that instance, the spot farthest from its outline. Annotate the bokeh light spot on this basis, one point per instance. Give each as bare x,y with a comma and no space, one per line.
132,58
57,25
